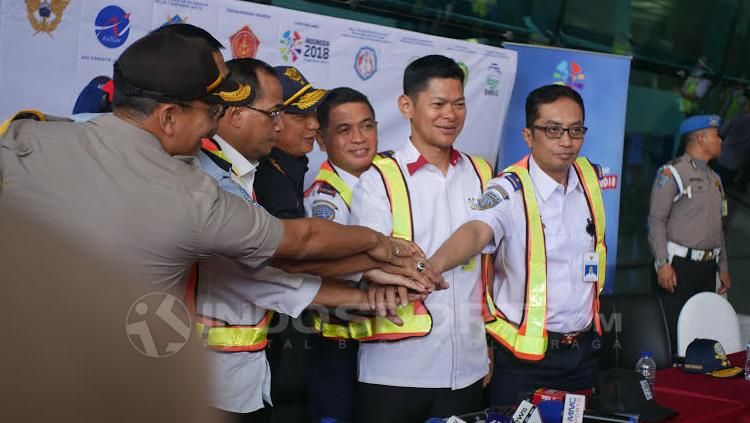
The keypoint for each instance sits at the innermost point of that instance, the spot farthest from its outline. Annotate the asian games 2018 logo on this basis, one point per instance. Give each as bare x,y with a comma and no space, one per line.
291,46
112,26
366,62
570,74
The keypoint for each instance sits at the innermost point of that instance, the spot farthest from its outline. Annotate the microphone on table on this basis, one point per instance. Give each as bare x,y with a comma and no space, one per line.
489,415
573,411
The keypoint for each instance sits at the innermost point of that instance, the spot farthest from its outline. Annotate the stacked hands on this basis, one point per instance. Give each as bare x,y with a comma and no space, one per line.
405,275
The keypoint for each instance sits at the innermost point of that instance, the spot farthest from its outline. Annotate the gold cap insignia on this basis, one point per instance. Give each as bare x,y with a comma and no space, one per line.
294,75
309,99
241,93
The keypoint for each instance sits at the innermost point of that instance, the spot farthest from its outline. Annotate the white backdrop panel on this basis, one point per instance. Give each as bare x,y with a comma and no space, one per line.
47,71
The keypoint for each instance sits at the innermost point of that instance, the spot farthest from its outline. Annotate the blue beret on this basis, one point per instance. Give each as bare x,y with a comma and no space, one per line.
696,123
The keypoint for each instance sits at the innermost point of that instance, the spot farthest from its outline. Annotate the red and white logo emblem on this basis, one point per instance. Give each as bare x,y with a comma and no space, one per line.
244,43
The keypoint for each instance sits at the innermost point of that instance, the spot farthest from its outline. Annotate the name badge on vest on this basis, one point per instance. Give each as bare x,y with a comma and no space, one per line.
590,267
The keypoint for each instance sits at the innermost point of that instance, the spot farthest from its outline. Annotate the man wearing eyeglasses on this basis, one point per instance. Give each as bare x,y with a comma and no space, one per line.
543,219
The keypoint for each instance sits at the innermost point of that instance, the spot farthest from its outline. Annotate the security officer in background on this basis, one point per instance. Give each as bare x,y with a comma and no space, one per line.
543,219
279,188
279,184
685,228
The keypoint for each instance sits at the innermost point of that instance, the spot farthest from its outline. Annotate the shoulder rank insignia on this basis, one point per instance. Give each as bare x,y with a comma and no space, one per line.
514,180
386,153
327,188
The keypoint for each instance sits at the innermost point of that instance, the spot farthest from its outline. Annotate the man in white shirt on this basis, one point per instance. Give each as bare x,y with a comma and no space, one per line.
544,220
437,370
348,134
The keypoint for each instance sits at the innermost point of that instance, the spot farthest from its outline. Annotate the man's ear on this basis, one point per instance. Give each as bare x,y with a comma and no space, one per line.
406,106
319,137
166,117
233,116
527,136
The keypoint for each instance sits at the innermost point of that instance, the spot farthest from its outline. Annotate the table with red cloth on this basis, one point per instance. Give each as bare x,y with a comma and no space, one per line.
701,398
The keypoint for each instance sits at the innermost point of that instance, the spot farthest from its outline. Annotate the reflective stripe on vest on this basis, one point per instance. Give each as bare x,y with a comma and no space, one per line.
529,341
415,315
327,174
221,336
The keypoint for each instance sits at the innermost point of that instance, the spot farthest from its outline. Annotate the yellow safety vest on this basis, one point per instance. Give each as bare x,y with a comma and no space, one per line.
415,315
328,175
218,334
529,341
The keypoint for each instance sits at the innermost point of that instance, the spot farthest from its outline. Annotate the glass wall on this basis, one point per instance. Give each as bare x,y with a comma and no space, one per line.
689,57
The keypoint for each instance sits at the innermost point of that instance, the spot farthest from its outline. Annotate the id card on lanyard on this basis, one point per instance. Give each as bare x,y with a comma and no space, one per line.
591,267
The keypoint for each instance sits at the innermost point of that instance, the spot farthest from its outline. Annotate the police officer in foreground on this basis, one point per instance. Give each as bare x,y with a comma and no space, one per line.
129,186
685,228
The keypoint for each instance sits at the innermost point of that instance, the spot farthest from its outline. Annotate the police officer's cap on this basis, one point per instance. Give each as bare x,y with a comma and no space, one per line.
299,96
171,67
696,123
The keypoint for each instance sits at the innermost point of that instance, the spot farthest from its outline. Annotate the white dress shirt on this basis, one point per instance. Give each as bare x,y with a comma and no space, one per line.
330,205
565,216
454,354
243,169
241,381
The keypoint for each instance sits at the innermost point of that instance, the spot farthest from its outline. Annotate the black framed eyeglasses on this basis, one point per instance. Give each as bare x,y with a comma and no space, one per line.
555,131
272,114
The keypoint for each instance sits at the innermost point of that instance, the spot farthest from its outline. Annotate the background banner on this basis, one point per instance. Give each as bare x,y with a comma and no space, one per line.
602,81
51,50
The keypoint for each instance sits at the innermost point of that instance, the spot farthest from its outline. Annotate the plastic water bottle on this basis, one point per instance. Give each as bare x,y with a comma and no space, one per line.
747,362
646,366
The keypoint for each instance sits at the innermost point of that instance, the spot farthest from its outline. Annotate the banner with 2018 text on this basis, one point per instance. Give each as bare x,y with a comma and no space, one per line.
51,50
602,81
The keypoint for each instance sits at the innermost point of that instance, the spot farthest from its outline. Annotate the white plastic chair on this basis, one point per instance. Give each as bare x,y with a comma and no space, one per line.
708,315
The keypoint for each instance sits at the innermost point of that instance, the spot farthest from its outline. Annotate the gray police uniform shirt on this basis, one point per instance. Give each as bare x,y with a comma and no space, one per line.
692,221
110,185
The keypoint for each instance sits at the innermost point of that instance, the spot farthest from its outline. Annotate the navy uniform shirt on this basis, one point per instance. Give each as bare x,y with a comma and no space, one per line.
279,184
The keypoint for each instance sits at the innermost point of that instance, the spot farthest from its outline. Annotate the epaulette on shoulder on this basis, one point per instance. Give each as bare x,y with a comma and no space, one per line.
514,180
327,188
674,161
387,153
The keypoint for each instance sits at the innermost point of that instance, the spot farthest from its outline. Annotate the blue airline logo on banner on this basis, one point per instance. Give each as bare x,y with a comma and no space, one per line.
112,26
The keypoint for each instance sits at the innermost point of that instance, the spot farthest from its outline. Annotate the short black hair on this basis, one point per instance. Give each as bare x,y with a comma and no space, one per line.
190,31
137,105
337,97
547,94
245,71
419,73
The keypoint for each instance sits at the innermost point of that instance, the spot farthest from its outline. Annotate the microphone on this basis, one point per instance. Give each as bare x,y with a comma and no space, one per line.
551,411
485,415
526,413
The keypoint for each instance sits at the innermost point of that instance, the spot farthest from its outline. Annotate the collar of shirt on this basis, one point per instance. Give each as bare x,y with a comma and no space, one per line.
240,164
700,163
545,185
350,180
415,160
